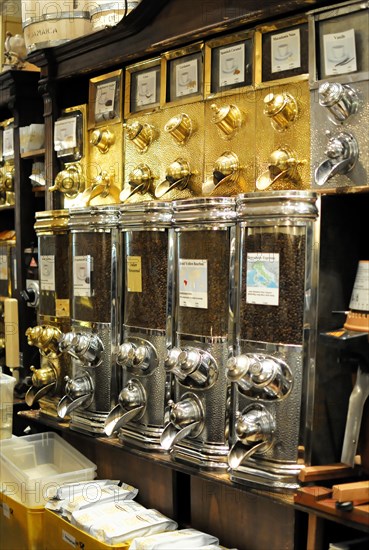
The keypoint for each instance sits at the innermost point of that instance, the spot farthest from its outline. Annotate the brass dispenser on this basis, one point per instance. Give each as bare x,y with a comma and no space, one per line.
52,228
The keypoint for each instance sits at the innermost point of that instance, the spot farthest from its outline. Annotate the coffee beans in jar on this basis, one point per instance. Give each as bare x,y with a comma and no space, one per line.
92,259
203,281
146,257
54,272
273,284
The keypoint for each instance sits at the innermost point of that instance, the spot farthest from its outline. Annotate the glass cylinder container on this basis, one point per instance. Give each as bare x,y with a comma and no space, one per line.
203,227
92,252
145,244
52,229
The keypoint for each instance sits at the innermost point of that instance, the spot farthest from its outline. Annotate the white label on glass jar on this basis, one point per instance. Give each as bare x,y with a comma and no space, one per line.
8,142
6,510
262,278
193,283
340,53
286,53
360,292
69,539
65,134
186,78
47,272
231,65
82,267
3,267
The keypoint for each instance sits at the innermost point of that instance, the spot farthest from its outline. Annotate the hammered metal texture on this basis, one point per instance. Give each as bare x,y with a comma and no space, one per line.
153,383
356,124
296,137
242,143
164,150
103,400
286,412
112,160
213,399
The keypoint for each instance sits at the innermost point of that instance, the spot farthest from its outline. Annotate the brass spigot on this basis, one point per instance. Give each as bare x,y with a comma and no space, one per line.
282,109
69,181
102,139
228,119
141,135
180,127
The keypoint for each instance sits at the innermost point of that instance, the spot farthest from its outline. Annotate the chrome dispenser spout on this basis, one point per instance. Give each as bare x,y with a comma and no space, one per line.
359,395
254,428
131,404
79,391
342,152
67,405
117,418
34,394
185,418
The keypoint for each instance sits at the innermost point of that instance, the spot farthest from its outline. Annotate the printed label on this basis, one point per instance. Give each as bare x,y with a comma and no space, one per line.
6,510
286,51
69,538
340,52
231,65
8,142
134,274
62,308
193,283
146,88
360,294
262,279
47,272
105,98
65,135
186,78
3,267
82,268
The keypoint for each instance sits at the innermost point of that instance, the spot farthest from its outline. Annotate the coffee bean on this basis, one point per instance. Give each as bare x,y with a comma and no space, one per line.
282,323
58,247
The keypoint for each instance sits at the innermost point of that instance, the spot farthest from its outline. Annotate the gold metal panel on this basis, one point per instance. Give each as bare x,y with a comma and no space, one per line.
242,143
84,162
296,137
164,150
110,163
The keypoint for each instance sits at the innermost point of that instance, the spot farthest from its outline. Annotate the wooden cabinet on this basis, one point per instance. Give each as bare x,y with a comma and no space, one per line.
20,101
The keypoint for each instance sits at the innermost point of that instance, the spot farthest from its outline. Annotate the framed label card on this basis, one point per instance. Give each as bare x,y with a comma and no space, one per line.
230,62
286,51
143,85
105,94
185,74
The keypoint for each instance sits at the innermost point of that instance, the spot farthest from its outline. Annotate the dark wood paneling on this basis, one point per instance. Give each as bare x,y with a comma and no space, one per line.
241,519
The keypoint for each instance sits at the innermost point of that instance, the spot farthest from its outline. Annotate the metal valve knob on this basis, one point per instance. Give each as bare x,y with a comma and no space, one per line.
282,110
125,353
172,364
227,118
198,366
102,139
69,181
43,376
341,100
86,347
142,135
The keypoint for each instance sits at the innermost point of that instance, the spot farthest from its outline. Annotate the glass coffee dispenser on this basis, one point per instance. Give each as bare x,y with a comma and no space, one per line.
196,429
272,369
146,244
52,229
90,393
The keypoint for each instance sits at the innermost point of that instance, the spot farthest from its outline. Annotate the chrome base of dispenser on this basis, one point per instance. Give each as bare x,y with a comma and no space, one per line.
89,423
203,456
268,476
145,438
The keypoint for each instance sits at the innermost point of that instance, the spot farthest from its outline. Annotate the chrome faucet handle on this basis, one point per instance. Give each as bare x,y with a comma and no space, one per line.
335,148
88,348
126,353
341,100
142,357
198,366
342,152
254,428
172,364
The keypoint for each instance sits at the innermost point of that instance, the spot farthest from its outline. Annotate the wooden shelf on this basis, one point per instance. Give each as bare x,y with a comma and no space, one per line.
33,154
6,206
38,189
